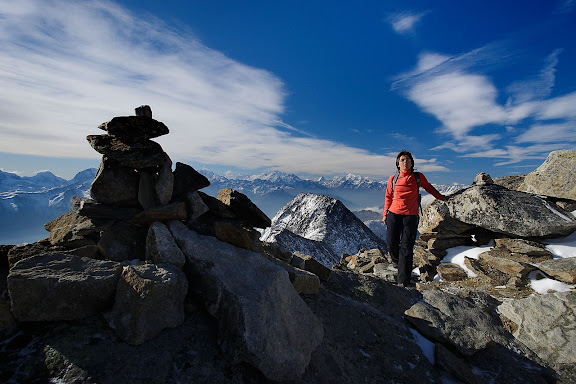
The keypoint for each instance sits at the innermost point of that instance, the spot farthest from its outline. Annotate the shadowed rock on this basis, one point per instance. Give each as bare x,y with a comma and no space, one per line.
134,128
450,319
186,180
115,184
261,318
136,155
241,205
53,286
149,298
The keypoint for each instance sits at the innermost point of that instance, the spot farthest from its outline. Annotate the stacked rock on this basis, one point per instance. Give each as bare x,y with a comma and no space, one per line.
120,239
135,171
135,187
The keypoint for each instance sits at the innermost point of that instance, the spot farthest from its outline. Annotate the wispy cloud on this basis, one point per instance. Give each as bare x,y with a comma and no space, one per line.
548,133
405,22
540,86
68,66
459,93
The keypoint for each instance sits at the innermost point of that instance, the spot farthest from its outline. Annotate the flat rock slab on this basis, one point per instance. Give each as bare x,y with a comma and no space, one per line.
453,320
55,286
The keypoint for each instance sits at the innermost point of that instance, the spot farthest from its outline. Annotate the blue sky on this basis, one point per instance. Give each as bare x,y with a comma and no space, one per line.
315,88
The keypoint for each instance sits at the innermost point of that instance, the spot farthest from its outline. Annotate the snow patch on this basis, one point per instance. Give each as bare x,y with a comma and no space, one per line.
456,256
425,345
562,247
555,211
543,284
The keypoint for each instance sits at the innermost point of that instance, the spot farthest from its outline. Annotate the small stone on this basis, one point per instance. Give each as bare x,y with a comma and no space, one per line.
144,110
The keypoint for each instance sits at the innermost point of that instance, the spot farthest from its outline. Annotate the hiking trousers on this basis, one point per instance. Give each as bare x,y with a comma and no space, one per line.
401,236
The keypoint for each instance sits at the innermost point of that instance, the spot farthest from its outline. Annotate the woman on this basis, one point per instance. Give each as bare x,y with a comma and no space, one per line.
401,214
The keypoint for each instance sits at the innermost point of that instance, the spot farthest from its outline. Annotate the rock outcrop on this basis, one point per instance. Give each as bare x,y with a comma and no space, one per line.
499,210
321,227
518,223
55,286
554,180
556,177
261,318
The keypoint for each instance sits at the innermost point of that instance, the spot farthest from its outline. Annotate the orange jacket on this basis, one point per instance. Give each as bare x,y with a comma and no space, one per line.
404,200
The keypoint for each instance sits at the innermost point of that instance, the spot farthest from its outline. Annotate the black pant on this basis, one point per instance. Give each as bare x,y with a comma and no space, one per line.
401,236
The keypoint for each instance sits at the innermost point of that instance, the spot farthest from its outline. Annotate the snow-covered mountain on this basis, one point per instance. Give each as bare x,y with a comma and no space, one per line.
270,192
26,203
322,227
42,180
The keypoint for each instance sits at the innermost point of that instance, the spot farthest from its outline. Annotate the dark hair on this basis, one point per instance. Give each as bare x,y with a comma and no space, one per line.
404,153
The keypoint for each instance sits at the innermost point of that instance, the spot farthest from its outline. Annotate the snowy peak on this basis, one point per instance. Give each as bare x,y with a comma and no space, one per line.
322,227
42,180
83,176
278,177
351,181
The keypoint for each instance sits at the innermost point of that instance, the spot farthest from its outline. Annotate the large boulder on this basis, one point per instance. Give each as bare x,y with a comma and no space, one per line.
149,298
261,318
556,177
500,210
55,286
545,324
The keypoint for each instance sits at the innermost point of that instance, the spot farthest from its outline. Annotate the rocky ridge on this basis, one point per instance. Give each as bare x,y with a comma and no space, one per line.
498,281
185,292
132,254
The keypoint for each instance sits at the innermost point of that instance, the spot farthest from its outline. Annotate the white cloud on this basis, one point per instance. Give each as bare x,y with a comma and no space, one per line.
466,102
68,66
558,108
514,154
540,86
405,22
548,133
470,143
566,6
461,101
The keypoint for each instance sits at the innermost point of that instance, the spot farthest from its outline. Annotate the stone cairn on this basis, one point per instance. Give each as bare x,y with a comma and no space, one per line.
113,253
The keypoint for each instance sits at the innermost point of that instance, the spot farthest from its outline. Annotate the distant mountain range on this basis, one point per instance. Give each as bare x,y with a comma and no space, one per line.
26,203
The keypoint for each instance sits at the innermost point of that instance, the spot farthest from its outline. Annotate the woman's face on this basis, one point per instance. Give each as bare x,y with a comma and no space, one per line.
405,163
